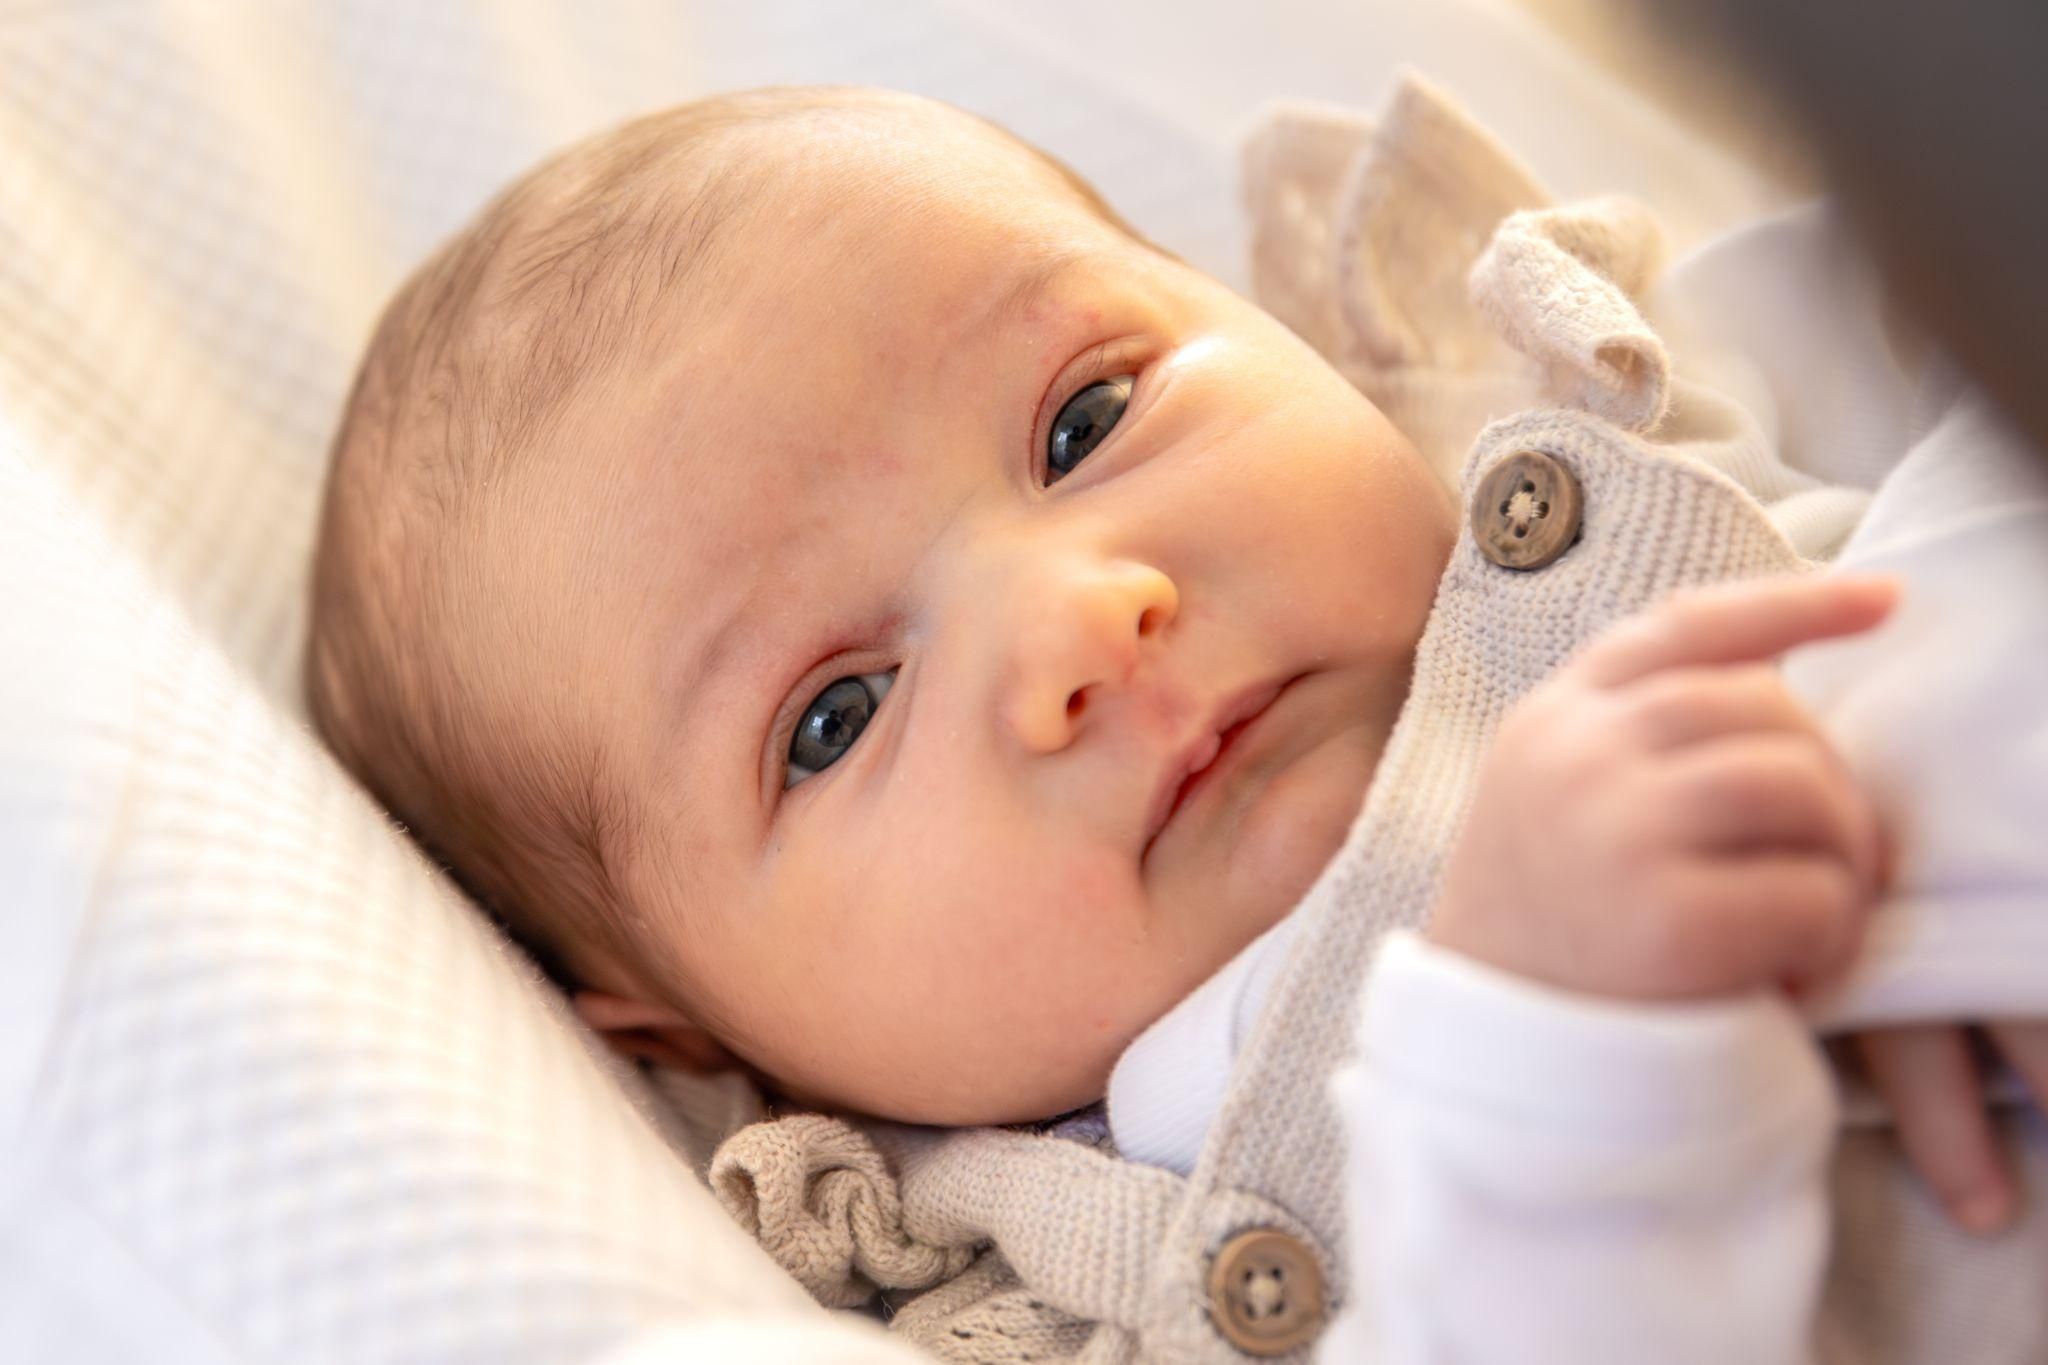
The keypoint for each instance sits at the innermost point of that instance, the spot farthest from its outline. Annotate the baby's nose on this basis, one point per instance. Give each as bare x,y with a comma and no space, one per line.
1082,637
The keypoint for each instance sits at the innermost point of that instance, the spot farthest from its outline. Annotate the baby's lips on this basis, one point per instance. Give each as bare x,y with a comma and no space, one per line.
1232,713
1173,780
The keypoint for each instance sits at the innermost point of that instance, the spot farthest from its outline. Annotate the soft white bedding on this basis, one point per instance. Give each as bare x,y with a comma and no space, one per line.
268,1089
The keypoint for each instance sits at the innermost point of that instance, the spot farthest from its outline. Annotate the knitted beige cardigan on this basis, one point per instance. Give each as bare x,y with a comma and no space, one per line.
1419,257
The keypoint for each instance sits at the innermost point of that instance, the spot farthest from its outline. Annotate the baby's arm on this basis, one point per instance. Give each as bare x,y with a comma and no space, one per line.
1587,1123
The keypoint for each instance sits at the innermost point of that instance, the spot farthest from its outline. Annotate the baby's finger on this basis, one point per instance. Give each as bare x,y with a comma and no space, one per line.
1734,923
1770,790
1737,623
1929,1081
1686,705
2024,1044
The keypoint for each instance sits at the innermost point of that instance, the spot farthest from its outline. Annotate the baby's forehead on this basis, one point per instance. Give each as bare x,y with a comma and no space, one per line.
865,253
886,140
877,265
860,181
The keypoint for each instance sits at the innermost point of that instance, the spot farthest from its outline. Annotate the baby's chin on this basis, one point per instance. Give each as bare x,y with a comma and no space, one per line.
995,1079
989,1099
1291,835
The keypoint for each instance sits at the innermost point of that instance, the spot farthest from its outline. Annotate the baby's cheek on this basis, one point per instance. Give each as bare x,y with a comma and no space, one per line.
1091,894
1058,929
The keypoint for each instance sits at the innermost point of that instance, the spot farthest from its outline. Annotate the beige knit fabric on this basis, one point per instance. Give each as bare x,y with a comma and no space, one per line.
832,1212
1358,230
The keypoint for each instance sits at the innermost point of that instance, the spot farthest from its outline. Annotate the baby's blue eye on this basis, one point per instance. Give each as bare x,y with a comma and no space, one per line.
1082,423
832,722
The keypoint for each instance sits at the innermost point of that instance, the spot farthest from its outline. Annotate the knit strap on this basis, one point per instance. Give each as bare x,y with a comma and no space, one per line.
1558,285
1293,164
1363,234
1076,1223
846,1208
1412,214
821,1200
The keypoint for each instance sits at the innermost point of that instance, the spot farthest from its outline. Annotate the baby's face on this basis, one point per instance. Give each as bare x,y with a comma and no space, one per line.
896,453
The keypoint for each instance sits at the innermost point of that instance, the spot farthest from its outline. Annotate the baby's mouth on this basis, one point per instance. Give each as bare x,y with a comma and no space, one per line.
1207,755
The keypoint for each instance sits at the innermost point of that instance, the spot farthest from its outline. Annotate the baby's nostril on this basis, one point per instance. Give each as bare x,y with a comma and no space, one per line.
1148,621
1075,703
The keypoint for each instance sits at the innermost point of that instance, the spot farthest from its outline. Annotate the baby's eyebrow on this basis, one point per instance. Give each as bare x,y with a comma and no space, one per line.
1031,286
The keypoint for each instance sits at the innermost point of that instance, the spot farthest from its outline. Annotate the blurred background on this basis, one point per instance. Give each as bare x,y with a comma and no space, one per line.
1925,123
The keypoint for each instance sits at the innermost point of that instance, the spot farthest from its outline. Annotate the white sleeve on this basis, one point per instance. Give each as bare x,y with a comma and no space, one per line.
1538,1175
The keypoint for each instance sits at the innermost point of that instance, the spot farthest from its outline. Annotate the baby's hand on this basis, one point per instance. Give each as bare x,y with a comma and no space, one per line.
1929,1079
1662,819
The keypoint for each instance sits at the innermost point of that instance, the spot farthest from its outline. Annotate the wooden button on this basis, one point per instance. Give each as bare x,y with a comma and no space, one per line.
1266,1292
1526,512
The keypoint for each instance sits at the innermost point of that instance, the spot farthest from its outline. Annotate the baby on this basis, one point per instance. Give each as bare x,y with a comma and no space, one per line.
860,612
787,558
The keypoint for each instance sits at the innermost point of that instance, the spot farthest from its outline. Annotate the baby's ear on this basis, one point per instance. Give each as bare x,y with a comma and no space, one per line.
659,1033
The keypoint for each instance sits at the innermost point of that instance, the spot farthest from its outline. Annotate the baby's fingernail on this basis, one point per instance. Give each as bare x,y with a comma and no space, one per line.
1983,1211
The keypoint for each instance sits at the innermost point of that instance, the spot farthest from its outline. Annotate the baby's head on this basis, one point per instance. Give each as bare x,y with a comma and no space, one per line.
785,557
